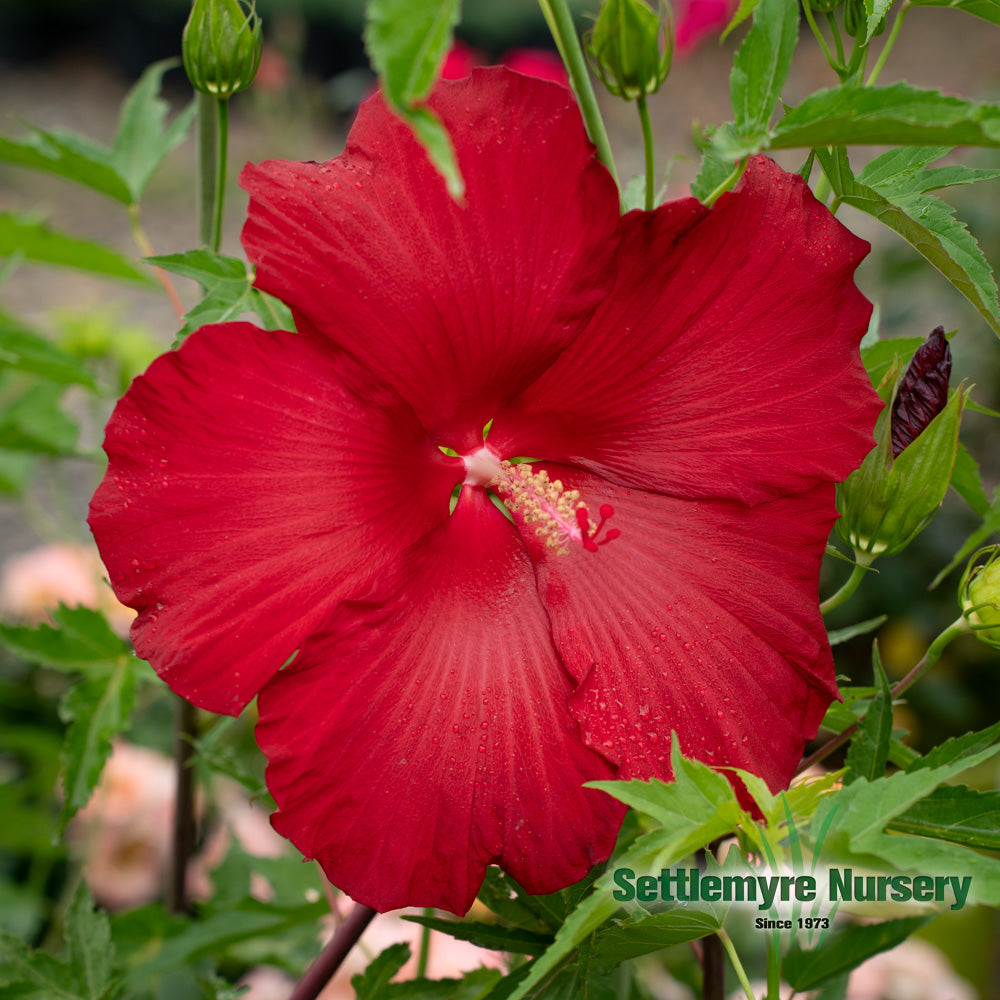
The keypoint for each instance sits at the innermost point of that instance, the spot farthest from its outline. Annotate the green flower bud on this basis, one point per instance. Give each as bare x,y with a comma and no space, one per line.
979,595
893,495
630,47
221,46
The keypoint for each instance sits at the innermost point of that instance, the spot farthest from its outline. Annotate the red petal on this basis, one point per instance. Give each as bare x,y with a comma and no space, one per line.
701,617
423,738
255,479
724,363
457,306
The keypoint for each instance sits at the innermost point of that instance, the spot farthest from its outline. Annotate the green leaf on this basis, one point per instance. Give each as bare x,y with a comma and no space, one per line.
805,969
90,951
958,748
81,639
16,469
695,809
629,940
35,421
839,635
51,979
869,750
67,155
436,141
370,984
96,709
228,290
144,140
159,943
475,985
928,225
24,350
716,170
988,10
967,482
486,935
955,813
501,894
894,115
880,357
876,11
761,64
33,239
990,525
863,808
406,41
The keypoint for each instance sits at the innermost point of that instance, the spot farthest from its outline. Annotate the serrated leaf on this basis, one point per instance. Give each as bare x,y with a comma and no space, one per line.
486,935
19,964
895,115
91,955
32,238
370,984
955,813
805,969
80,640
24,350
928,225
696,810
500,894
958,748
988,10
868,753
839,635
475,985
97,709
968,483
406,41
864,808
228,291
143,139
876,11
36,422
761,64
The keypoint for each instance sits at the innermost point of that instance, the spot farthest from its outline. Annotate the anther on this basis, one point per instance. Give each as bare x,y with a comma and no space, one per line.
558,514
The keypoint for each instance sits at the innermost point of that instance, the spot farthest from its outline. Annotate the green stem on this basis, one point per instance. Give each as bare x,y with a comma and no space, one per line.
862,561
741,975
726,184
773,970
207,165
835,32
834,65
561,25
958,627
425,946
222,104
889,43
647,145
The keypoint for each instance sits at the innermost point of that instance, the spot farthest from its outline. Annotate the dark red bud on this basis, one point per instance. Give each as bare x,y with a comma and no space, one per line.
923,391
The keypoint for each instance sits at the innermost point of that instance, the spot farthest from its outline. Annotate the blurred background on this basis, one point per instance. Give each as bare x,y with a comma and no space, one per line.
69,63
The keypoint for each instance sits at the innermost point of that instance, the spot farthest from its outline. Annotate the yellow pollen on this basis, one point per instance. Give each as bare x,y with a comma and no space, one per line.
544,503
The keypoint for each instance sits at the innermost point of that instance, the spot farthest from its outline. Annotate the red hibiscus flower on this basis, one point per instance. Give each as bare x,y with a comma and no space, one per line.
456,675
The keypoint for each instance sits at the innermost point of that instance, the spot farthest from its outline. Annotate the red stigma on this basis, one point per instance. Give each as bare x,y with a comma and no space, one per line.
588,538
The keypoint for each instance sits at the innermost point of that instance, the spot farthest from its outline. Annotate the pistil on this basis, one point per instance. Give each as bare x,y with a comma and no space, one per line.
559,516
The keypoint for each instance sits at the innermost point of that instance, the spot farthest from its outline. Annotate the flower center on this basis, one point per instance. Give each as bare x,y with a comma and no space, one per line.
558,514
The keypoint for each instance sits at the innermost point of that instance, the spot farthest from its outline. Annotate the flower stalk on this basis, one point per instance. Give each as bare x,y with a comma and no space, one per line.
647,145
182,846
332,957
561,25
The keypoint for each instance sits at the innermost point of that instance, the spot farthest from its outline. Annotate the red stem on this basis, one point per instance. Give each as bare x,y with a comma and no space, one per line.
333,955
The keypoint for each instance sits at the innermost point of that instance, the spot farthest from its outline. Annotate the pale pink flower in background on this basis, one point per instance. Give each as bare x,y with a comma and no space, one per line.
914,970
34,583
124,830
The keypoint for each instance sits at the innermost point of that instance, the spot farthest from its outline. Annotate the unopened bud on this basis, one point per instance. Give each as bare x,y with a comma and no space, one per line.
979,595
903,479
221,46
630,47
